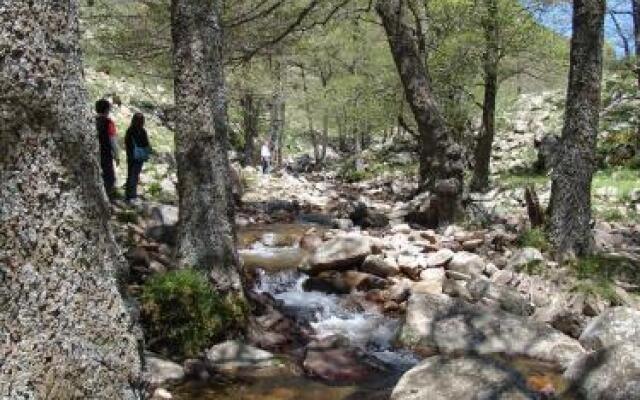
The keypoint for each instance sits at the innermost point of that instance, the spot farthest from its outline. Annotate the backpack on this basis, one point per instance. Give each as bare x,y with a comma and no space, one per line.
140,153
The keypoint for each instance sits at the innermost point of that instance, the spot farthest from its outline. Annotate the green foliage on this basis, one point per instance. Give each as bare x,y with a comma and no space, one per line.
182,314
127,216
597,275
536,238
154,189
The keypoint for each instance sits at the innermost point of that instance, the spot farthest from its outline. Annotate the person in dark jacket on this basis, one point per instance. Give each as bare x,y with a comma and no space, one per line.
136,137
108,146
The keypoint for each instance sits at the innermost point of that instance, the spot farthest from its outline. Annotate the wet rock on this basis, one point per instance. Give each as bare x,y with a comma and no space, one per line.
342,223
310,242
236,357
342,252
614,325
335,362
466,263
611,373
161,372
335,282
440,378
441,324
196,369
380,266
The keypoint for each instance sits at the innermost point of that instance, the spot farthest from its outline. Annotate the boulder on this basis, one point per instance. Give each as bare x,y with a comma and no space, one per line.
336,282
441,324
233,356
525,257
466,263
431,281
341,252
380,266
332,360
613,326
508,299
439,258
160,372
440,378
611,373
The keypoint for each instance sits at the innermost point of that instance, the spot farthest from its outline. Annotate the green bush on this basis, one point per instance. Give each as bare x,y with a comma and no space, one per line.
182,314
534,238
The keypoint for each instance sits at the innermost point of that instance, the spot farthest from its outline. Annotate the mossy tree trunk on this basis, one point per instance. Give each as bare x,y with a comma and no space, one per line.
570,203
206,234
441,167
64,327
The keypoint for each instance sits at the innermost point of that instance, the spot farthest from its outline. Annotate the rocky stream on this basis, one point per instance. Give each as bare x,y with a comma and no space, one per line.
356,300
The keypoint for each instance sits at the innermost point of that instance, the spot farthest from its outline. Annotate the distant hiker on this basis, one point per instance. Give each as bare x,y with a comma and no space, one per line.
138,151
108,146
265,155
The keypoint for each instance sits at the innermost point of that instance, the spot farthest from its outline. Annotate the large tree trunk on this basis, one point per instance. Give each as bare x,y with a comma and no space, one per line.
251,114
64,327
206,235
636,35
570,204
480,181
441,167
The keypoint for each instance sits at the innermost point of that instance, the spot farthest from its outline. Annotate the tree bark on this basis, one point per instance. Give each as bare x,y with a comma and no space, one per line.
206,234
251,114
570,203
636,35
64,327
441,167
276,108
480,181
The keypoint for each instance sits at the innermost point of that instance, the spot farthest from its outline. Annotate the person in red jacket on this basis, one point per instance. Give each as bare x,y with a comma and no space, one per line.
108,146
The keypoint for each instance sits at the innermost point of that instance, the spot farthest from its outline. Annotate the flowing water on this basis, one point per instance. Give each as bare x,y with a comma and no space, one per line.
272,251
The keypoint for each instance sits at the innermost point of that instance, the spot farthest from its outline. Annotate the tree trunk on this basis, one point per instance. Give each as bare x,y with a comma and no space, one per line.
206,235
570,204
480,181
441,167
251,114
281,129
307,107
64,327
636,35
275,108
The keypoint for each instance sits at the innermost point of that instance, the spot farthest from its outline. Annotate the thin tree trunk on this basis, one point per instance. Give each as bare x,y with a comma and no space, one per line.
251,114
570,204
64,327
441,167
307,107
275,107
282,129
621,35
480,181
206,235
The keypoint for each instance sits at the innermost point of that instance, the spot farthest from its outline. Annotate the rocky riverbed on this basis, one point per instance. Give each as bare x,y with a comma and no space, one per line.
356,299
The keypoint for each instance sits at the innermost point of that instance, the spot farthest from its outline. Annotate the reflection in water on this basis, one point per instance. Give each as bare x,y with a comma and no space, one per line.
281,388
